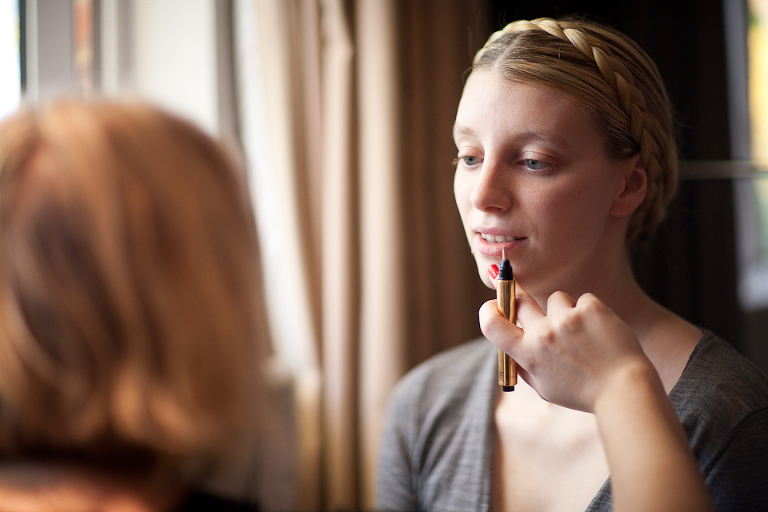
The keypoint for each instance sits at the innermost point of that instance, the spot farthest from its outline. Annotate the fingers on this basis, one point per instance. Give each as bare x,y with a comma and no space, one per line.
567,355
559,302
590,302
527,309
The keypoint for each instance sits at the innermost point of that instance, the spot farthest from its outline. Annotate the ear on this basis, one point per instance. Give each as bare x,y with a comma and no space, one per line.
632,189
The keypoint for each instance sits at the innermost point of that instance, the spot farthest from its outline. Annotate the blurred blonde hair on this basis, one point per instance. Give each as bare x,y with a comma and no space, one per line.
615,79
127,286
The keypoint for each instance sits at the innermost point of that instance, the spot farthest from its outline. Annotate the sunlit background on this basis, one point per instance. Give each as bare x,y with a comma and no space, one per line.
758,102
10,76
749,134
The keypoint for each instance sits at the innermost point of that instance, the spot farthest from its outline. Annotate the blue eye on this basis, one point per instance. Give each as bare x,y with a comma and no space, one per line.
469,161
535,165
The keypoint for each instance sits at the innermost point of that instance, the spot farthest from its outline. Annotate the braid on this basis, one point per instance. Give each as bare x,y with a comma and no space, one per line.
640,112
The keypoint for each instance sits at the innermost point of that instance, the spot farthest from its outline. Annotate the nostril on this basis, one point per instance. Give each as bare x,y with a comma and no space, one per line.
490,193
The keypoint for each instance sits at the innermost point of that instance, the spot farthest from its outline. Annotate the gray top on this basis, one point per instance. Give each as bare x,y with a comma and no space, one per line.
436,446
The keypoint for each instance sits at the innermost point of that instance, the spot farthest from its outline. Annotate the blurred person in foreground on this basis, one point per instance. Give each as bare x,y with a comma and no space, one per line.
128,334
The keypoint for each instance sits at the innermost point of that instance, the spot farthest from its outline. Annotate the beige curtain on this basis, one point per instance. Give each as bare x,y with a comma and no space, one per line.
346,109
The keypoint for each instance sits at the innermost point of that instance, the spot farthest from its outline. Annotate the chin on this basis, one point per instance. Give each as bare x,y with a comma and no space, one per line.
482,271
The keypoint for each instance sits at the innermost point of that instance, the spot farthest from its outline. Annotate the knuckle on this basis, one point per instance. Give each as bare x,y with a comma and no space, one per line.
547,335
590,303
569,322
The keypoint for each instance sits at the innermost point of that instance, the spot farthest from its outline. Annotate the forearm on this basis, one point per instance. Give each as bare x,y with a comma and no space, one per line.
651,464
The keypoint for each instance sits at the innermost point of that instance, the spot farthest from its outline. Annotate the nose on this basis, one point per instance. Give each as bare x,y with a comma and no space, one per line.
491,191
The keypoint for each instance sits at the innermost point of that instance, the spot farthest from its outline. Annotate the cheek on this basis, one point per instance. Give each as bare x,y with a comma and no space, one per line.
568,212
461,191
579,221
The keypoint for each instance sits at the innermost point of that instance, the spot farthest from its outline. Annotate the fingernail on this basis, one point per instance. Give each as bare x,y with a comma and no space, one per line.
493,270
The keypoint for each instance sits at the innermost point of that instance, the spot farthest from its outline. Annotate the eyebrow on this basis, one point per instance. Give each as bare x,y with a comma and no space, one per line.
548,136
462,130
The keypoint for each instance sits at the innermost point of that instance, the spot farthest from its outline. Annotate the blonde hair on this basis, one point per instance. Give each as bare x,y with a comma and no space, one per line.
611,75
127,285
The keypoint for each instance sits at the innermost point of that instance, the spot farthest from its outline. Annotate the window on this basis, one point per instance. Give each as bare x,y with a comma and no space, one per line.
748,63
10,57
757,51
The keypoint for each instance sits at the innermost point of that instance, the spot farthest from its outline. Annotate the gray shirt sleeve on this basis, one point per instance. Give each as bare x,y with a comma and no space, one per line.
394,486
721,400
738,478
435,452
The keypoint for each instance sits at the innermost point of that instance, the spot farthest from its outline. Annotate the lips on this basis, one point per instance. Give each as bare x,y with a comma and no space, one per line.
491,244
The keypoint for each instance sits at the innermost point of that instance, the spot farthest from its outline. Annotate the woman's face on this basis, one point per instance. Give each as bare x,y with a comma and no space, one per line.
534,179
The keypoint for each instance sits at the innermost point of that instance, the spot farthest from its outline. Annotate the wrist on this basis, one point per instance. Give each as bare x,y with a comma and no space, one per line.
635,378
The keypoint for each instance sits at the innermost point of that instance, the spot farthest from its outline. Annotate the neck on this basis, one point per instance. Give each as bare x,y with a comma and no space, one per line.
610,279
666,338
613,282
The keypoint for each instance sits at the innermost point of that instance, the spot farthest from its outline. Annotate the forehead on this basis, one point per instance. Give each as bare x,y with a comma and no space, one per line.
491,106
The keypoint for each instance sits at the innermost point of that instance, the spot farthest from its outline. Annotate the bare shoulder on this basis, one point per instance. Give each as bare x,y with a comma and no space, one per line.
668,342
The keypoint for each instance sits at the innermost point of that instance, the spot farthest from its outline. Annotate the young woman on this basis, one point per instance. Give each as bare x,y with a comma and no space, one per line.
128,328
566,157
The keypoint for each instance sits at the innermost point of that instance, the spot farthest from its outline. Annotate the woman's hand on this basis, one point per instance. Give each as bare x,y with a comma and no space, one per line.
581,355
571,354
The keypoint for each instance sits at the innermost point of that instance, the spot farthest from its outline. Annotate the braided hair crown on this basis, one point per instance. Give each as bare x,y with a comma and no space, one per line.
617,81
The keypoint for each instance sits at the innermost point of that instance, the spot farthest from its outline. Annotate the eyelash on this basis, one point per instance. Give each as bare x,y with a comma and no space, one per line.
544,165
526,162
463,159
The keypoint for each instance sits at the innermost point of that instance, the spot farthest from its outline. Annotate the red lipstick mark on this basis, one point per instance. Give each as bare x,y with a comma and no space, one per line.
493,270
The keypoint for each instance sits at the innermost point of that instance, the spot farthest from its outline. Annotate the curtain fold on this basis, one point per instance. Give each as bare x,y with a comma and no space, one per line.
340,259
382,301
346,109
275,115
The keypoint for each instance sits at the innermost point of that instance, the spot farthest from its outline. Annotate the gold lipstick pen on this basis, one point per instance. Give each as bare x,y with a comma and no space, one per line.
505,301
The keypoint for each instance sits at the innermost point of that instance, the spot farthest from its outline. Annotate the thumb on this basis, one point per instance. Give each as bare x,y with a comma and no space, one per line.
499,331
526,307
